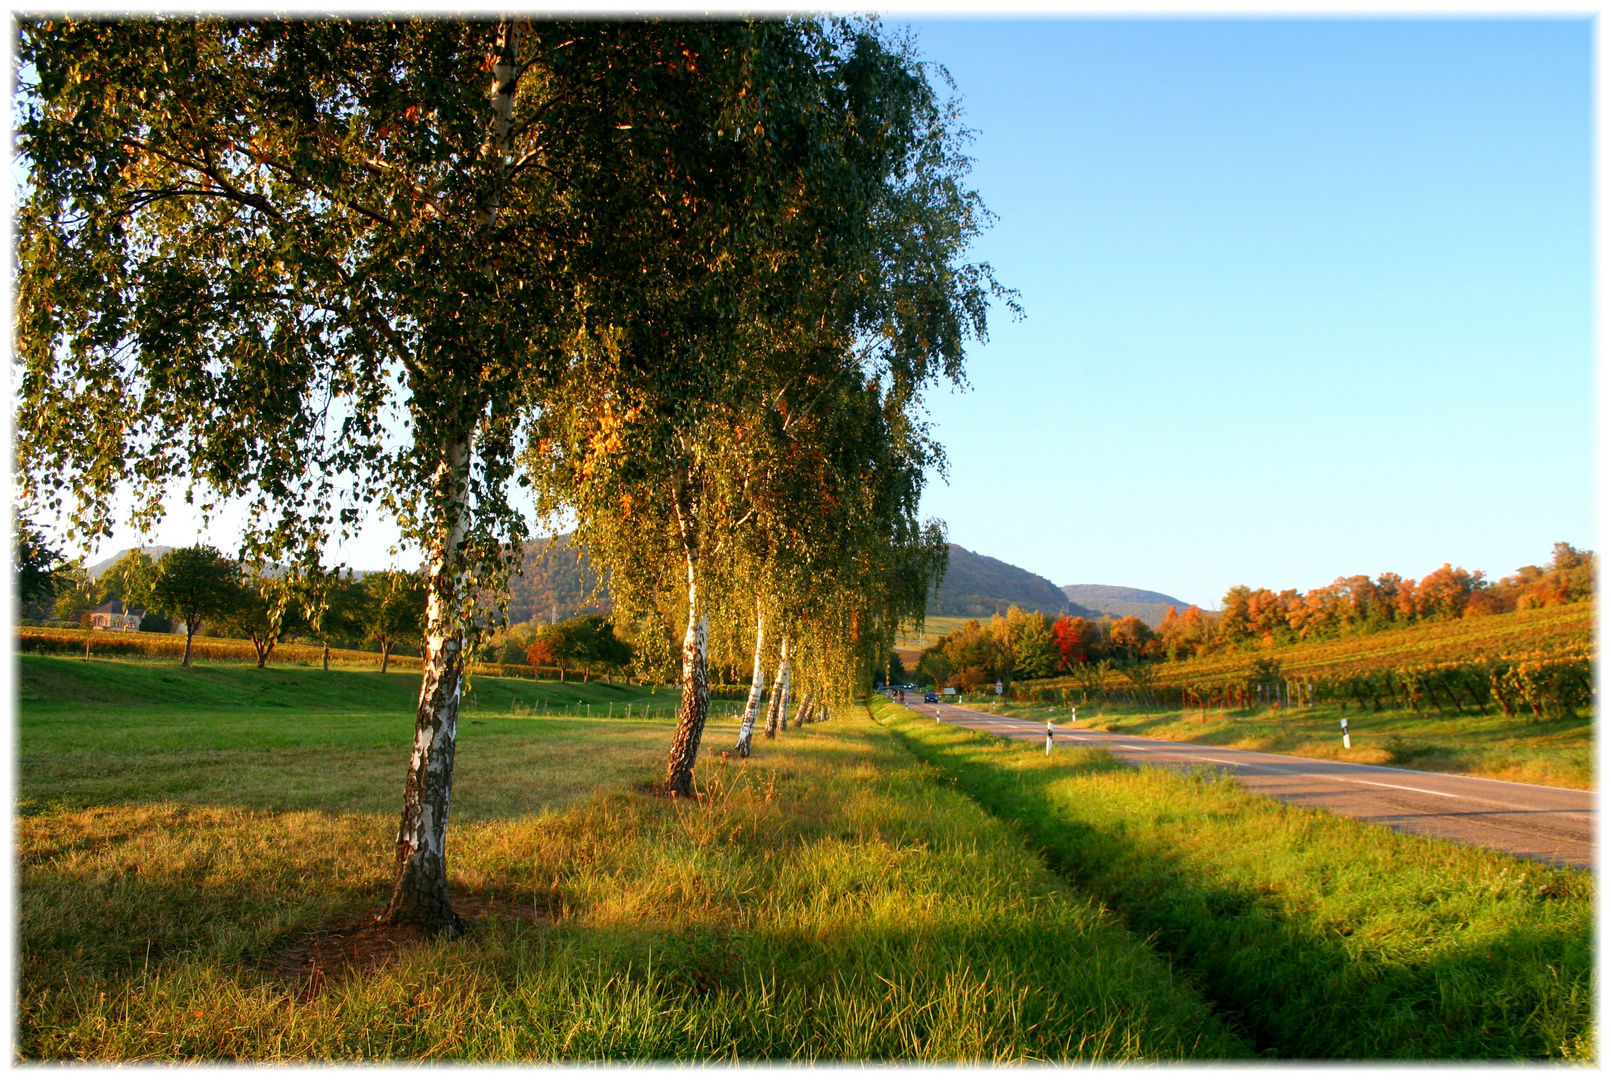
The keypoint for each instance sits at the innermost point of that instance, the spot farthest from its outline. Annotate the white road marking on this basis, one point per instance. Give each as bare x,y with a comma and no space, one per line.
1373,783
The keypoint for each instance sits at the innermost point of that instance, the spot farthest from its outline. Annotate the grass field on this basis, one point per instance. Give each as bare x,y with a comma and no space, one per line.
197,851
1322,937
1559,753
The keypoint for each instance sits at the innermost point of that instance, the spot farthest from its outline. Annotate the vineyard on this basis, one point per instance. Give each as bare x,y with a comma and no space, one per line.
1538,662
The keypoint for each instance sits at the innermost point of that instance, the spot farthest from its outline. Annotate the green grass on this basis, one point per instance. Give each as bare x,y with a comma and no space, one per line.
831,898
105,732
1559,753
1323,936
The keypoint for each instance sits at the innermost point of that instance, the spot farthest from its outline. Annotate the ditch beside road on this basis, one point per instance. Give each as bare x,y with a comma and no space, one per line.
1554,825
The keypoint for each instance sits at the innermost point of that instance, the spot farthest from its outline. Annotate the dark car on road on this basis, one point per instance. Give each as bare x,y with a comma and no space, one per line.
931,698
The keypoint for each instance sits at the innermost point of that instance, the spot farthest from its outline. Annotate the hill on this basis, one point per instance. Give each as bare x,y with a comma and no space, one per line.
554,583
977,586
156,551
1119,601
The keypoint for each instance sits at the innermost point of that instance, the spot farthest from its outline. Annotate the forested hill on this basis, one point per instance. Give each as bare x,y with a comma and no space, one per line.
978,586
1119,601
553,583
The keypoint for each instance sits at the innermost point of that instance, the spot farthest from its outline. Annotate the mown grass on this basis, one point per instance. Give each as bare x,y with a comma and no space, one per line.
1559,753
1324,937
829,899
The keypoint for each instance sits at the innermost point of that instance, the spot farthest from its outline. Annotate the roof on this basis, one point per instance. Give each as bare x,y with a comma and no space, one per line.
115,607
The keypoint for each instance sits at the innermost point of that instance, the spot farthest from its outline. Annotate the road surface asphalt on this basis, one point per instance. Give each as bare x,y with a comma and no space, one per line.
1554,825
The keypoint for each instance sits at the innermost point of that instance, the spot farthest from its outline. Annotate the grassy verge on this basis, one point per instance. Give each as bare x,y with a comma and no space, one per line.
828,899
1326,937
1559,753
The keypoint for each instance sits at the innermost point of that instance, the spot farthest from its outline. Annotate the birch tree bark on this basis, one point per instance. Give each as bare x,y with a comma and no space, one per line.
419,885
695,685
804,710
783,698
779,684
746,729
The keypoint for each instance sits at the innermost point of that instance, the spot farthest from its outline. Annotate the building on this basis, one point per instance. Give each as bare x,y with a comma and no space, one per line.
113,615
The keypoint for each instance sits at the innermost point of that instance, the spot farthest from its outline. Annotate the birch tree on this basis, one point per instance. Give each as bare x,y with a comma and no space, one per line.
841,262
333,267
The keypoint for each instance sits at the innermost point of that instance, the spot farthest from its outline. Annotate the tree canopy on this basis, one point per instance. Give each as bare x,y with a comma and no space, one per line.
331,267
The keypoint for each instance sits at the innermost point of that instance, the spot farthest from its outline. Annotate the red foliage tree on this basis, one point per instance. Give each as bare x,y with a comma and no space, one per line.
1073,635
540,654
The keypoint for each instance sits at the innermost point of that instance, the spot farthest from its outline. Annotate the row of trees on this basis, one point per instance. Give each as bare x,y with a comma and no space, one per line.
1031,645
1358,604
686,282
199,587
586,641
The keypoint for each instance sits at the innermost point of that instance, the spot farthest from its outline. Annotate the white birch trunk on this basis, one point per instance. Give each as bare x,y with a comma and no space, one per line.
695,698
783,699
757,686
776,700
804,710
695,680
419,889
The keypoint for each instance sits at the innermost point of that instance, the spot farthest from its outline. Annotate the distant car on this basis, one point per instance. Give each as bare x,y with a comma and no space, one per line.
931,698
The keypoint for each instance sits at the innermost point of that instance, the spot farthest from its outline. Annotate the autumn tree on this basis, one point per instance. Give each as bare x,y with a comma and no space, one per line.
1074,636
256,252
972,655
832,258
1129,636
1185,633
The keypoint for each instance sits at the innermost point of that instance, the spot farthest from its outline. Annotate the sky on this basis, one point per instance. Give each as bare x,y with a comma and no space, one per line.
1303,298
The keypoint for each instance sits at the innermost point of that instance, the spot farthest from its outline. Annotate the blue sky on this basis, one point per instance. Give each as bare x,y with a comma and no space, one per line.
1303,298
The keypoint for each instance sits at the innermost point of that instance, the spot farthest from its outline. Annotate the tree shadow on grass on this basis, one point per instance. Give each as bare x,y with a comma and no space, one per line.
1299,988
695,987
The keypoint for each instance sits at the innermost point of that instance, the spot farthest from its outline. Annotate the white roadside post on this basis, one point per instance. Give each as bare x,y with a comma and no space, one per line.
1073,716
1347,743
1048,738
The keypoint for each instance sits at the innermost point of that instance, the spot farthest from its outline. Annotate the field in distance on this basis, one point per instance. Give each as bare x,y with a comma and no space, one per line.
1446,736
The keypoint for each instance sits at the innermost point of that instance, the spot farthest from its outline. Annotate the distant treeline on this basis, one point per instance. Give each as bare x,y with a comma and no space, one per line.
1032,645
1360,605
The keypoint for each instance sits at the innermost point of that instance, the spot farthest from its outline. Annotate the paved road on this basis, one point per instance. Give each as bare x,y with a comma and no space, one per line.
1554,825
